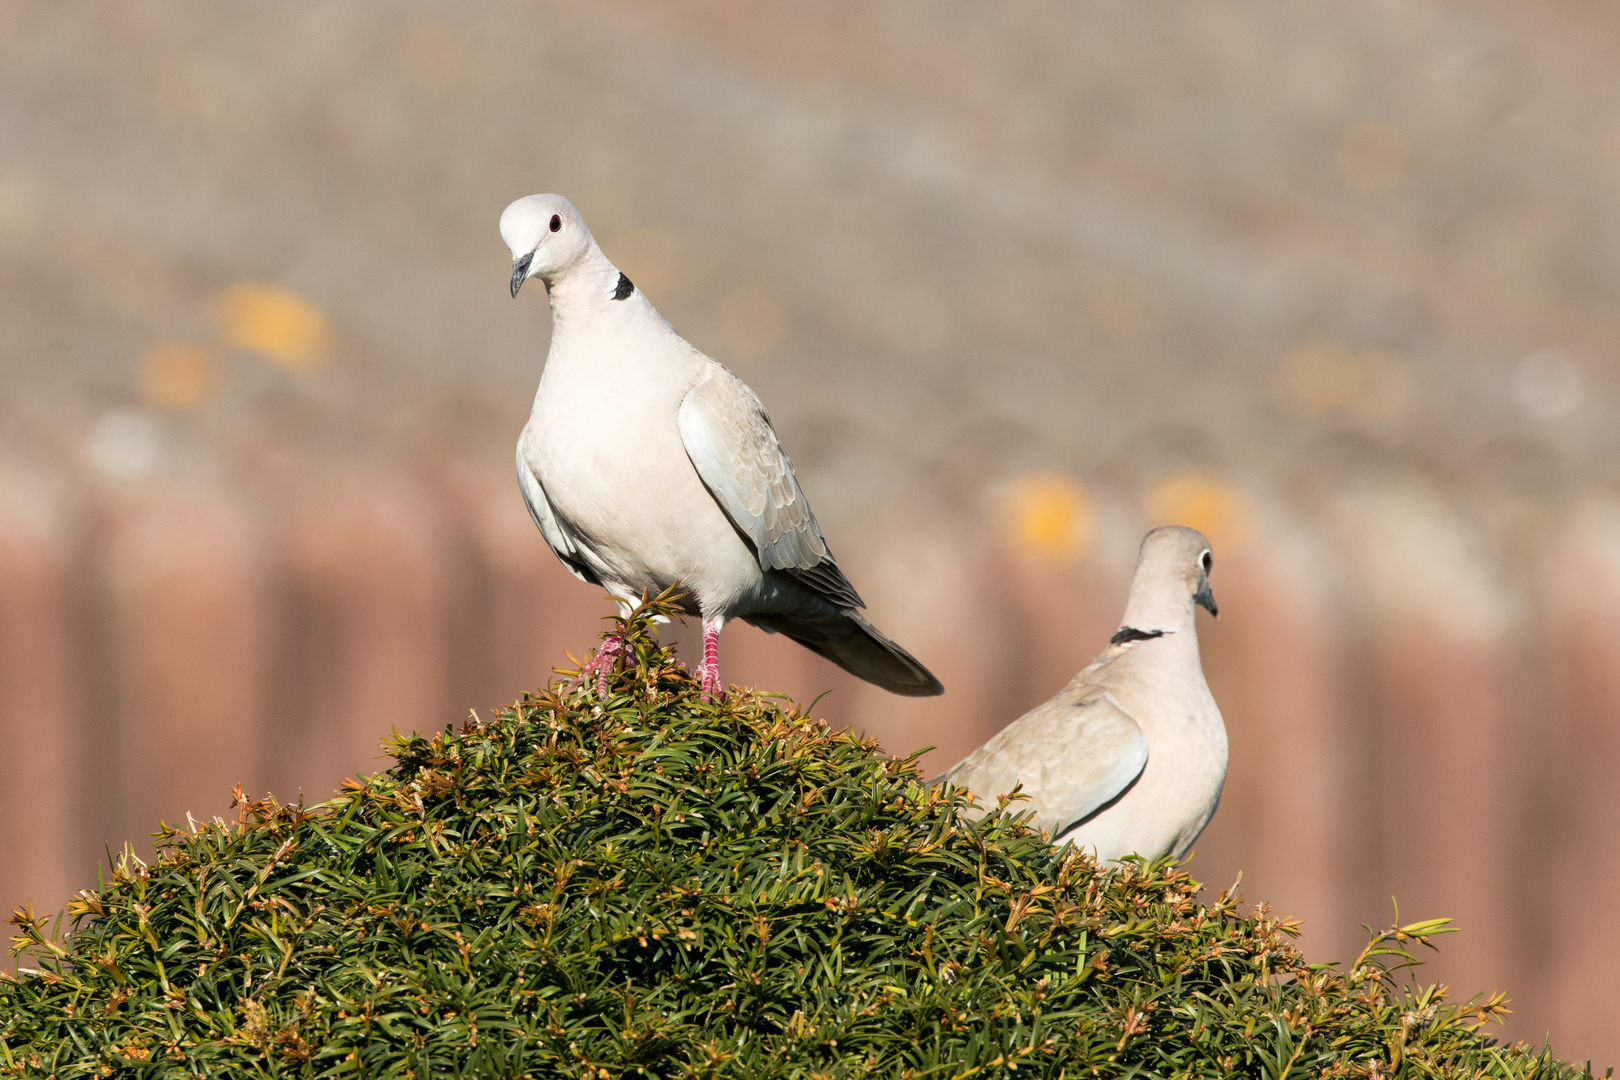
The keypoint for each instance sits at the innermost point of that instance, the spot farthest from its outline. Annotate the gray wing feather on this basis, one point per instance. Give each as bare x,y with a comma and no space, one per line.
557,538
1071,758
730,441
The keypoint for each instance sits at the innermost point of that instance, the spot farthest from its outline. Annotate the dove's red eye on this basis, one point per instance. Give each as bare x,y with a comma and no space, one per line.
556,222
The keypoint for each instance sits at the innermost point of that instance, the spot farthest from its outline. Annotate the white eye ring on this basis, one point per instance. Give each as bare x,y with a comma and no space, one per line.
1206,560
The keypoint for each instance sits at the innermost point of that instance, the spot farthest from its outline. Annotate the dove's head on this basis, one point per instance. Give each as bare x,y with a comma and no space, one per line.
546,235
1172,574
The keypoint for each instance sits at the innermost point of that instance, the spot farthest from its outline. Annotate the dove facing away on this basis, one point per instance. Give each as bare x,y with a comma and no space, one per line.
646,463
1129,757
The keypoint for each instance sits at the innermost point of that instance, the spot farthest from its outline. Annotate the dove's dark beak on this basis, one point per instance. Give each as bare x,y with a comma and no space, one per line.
520,270
1206,598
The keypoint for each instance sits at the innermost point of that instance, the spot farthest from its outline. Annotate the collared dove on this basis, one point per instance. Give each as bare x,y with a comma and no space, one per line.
645,463
1130,756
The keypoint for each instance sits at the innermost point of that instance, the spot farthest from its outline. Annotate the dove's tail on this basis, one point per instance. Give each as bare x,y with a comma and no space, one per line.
858,647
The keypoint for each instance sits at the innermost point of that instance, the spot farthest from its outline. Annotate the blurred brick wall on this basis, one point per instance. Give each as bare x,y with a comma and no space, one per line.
1335,285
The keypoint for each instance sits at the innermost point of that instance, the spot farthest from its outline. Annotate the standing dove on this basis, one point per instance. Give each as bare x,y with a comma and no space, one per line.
646,463
1130,756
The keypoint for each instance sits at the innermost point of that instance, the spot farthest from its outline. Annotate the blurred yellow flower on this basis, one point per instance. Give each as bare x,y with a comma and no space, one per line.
1325,374
1373,157
1048,513
278,323
1318,376
175,376
1201,500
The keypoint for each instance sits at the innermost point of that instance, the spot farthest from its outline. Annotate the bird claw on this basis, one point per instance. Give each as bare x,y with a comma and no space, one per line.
602,663
712,688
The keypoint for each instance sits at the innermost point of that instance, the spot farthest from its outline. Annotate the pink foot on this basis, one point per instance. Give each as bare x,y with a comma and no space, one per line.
709,673
602,663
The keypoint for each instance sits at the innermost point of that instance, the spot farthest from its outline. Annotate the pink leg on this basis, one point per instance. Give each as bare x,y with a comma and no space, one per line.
713,688
602,663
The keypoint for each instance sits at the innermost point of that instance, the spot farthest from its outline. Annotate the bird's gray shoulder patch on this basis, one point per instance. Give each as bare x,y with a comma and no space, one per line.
1127,634
625,287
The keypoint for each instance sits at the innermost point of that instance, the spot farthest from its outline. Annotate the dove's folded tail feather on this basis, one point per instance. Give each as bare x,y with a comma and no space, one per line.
860,648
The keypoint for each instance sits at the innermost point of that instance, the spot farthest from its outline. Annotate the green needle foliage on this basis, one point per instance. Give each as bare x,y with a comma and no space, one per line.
651,885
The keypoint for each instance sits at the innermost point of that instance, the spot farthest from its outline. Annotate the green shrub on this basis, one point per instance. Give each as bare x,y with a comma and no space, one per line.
659,887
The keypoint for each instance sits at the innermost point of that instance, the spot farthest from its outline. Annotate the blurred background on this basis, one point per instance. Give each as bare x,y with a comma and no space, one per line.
1334,283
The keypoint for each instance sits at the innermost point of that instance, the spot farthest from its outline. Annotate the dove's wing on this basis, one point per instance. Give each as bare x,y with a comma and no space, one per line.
534,495
731,443
1072,758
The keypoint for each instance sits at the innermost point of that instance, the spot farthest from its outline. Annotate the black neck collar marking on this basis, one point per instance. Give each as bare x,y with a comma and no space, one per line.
624,289
1127,634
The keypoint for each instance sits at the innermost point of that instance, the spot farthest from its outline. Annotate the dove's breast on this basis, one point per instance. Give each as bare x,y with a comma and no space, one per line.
604,442
1174,798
